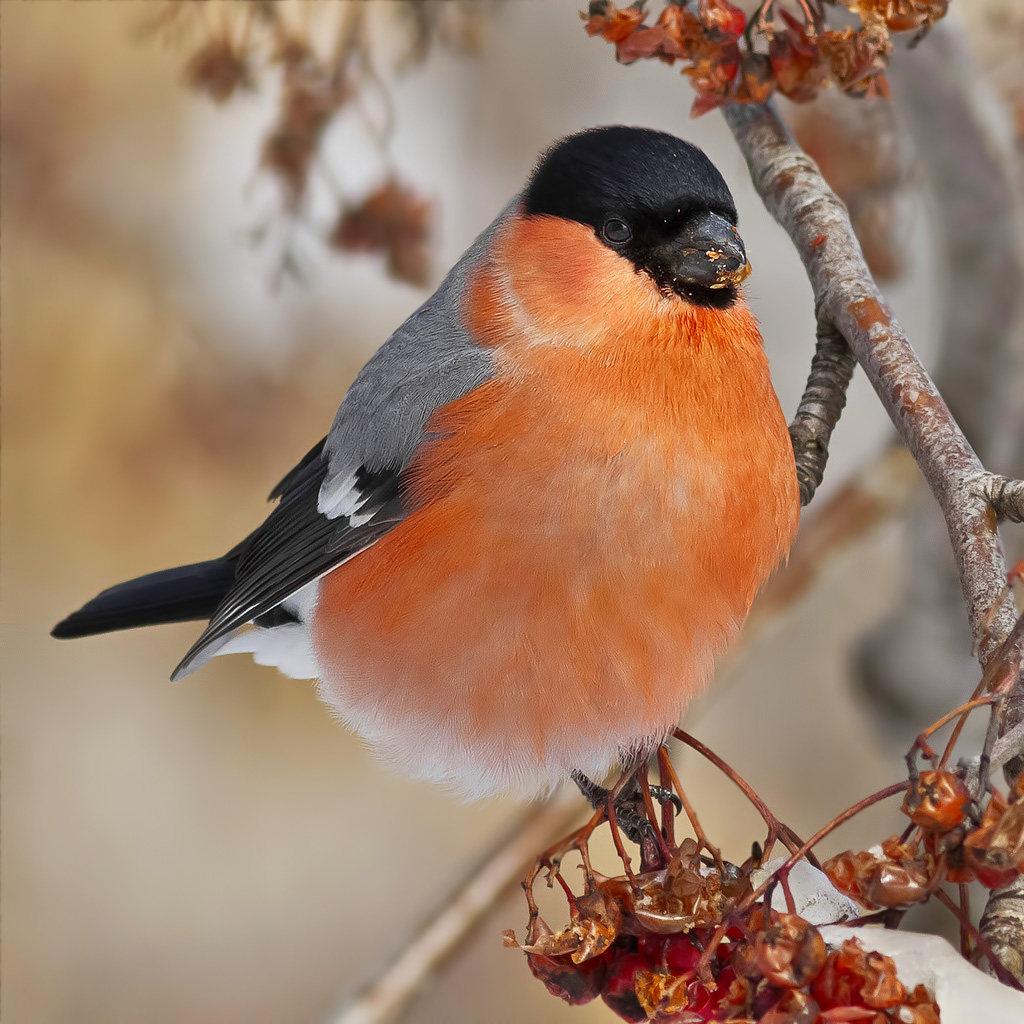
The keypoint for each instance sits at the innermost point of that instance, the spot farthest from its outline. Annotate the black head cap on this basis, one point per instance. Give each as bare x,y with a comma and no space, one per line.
640,190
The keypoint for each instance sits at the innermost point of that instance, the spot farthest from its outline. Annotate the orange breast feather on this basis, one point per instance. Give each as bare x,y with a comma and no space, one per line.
590,528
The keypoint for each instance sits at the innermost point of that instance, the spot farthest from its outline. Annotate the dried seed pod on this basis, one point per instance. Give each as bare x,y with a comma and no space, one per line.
881,988
597,924
392,220
219,68
661,994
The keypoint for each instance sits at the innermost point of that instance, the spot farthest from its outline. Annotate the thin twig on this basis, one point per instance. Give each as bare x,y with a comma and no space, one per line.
691,814
964,894
652,814
787,866
776,828
966,927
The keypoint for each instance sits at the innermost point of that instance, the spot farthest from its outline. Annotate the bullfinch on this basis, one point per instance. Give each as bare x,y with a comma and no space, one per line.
545,504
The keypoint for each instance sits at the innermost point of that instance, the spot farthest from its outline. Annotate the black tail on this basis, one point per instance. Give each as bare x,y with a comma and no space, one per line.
184,594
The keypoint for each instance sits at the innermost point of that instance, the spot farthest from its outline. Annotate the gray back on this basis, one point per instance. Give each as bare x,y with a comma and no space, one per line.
429,361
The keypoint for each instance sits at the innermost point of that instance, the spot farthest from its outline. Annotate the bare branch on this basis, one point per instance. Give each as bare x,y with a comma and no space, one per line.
1002,925
918,656
820,407
800,200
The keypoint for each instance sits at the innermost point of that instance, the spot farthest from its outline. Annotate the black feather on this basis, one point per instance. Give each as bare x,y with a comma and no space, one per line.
296,545
184,594
308,463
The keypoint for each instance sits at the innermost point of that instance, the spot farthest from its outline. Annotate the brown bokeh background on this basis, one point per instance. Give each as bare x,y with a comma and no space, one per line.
220,850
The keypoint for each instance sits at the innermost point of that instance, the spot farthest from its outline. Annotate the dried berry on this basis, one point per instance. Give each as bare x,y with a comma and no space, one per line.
790,952
853,977
611,22
802,58
994,851
936,801
620,986
575,983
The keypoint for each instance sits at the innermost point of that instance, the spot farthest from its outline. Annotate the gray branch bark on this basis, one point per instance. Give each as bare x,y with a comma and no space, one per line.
916,660
848,299
849,303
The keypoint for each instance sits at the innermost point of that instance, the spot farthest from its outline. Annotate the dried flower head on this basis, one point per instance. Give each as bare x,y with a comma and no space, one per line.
393,220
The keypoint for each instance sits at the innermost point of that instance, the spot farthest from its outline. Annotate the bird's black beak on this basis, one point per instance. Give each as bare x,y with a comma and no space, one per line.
707,253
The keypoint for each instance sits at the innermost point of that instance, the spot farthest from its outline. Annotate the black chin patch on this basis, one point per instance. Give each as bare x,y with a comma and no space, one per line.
708,298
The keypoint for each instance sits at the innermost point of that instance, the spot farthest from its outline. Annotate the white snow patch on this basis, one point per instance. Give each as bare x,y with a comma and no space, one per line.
816,899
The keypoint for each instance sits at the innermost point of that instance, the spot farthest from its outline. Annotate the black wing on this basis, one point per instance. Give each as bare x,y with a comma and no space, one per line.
296,545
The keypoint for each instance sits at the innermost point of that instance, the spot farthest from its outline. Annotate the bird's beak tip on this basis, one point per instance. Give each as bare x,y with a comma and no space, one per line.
729,278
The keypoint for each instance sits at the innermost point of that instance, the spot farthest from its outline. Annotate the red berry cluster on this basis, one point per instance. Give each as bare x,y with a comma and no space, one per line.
654,950
948,845
731,58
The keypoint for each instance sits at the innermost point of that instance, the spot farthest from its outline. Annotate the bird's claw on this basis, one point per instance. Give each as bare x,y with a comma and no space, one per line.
664,795
629,813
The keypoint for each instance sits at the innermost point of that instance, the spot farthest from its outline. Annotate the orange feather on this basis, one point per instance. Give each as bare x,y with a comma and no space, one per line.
588,531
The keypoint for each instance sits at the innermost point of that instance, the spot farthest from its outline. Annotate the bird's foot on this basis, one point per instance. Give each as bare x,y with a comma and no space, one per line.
630,813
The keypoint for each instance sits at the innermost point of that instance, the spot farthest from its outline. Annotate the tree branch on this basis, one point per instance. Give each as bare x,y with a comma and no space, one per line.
847,298
969,497
820,407
1002,925
918,656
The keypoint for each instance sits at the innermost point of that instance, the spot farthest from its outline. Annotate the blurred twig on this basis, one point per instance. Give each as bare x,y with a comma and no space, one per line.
324,63
505,863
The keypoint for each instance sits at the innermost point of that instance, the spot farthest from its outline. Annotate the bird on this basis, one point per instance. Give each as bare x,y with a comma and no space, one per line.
545,504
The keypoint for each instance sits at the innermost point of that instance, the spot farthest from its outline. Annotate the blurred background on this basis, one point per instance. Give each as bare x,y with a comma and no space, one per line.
177,333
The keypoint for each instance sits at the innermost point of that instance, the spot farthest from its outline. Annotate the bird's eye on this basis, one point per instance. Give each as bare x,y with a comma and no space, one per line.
615,230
